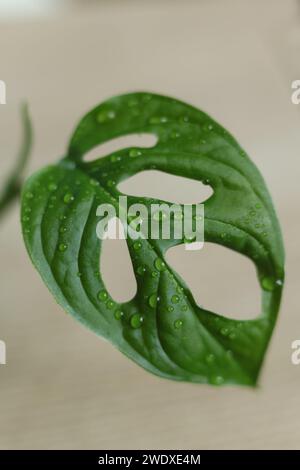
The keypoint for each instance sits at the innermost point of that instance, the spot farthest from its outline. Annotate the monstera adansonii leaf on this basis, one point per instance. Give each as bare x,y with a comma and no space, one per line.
170,336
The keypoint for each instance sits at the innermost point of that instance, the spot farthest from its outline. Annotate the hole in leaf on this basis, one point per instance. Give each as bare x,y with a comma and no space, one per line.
160,185
115,265
126,141
220,280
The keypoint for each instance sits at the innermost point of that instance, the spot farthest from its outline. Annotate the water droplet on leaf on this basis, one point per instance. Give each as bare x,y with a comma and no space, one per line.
141,270
68,197
110,304
137,246
217,380
136,320
102,295
210,358
134,153
62,247
118,314
159,264
52,187
268,283
105,116
178,324
152,300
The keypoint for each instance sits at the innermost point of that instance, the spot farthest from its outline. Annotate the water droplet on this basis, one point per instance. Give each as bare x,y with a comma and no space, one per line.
26,218
62,229
29,195
223,235
94,182
268,283
137,245
175,135
232,335
160,264
217,380
52,187
210,127
110,304
224,331
105,116
62,217
141,270
62,247
158,119
136,320
134,153
152,300
115,158
279,282
175,299
68,197
210,358
170,308
184,308
154,274
178,323
79,274
102,295
111,183
118,314
258,206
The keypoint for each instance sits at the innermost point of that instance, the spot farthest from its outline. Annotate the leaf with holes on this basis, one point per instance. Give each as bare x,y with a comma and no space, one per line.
161,328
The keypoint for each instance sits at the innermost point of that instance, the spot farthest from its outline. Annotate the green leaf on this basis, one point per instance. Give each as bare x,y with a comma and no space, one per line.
12,187
161,328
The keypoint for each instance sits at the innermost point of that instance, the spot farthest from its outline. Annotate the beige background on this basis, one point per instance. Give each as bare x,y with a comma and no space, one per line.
62,386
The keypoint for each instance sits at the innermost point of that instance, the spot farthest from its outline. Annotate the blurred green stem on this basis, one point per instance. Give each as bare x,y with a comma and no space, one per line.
13,184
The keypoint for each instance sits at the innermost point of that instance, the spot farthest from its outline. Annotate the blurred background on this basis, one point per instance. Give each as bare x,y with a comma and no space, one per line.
63,387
